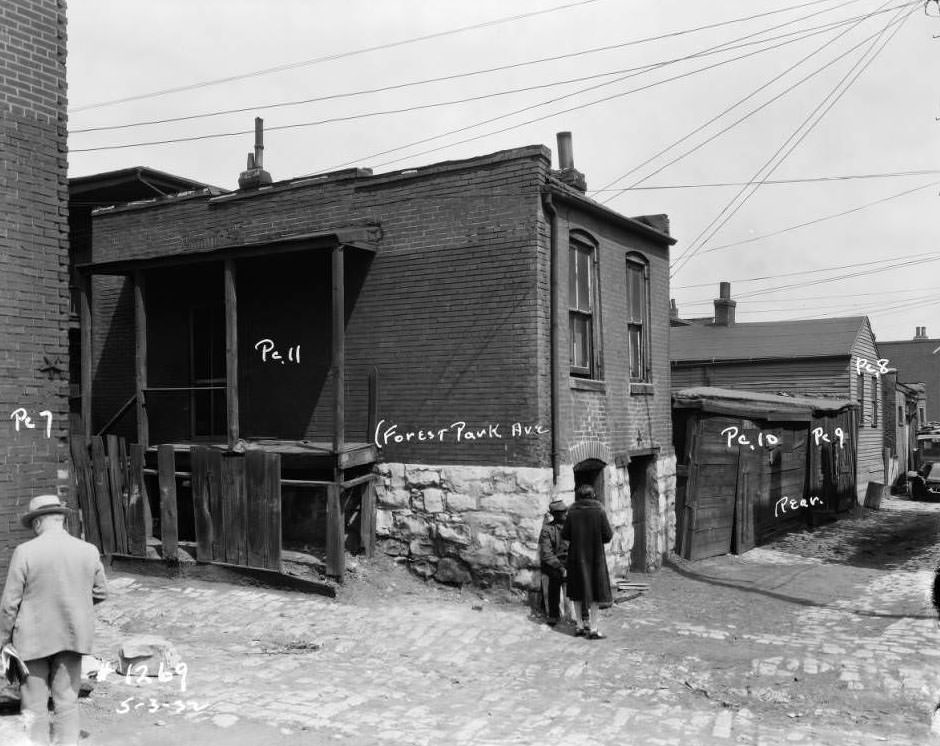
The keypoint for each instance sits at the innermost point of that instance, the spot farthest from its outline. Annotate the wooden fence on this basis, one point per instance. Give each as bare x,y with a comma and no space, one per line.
236,500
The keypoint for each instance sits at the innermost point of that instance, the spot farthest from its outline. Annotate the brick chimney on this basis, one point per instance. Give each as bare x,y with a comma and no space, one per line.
724,306
254,175
566,172
920,332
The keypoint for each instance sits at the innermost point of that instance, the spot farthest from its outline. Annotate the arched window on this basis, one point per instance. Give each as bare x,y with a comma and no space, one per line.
638,318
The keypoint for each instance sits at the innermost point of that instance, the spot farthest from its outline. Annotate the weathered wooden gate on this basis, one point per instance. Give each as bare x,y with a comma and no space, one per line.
236,503
109,481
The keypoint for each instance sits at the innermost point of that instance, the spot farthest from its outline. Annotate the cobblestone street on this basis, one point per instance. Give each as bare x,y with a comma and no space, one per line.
781,645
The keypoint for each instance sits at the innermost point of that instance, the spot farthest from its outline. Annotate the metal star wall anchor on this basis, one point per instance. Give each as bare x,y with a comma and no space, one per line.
52,368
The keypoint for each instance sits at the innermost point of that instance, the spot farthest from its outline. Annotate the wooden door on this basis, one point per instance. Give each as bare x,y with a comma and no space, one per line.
711,490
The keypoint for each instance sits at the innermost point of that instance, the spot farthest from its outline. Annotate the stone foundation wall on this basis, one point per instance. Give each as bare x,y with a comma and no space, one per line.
480,525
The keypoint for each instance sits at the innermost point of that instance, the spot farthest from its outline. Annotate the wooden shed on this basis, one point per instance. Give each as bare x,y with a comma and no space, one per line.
753,465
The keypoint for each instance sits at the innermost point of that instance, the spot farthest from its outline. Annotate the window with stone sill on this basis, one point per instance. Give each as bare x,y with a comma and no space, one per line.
583,303
638,321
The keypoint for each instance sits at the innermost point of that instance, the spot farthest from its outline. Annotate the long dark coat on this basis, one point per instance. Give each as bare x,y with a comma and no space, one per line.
587,530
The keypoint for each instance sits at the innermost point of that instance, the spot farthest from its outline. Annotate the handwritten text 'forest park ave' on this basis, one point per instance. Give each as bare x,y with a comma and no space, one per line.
385,434
768,440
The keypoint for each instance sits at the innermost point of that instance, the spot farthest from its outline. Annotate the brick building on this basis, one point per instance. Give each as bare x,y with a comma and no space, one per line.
33,260
917,360
496,336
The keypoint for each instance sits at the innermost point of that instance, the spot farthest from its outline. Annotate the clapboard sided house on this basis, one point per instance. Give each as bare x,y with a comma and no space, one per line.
815,358
475,336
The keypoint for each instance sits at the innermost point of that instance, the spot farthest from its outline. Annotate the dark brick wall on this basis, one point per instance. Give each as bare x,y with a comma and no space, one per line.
453,309
33,257
611,414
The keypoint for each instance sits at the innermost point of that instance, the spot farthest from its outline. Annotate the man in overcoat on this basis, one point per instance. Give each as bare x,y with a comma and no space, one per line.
46,612
587,530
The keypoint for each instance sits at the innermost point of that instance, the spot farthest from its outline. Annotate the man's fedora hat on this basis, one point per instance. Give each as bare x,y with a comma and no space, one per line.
557,506
43,505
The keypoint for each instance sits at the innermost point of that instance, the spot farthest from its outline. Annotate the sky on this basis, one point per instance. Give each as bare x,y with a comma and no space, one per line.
793,143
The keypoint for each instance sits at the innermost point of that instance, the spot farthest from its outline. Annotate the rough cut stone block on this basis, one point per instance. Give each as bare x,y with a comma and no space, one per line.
396,498
420,548
458,502
470,480
384,522
422,477
523,556
522,505
410,526
147,651
534,480
490,523
456,534
452,571
528,529
433,500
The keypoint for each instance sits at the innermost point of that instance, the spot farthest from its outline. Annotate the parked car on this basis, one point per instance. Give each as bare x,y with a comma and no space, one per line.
925,484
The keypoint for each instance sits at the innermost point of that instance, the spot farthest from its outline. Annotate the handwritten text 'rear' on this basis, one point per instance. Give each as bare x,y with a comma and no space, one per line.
457,432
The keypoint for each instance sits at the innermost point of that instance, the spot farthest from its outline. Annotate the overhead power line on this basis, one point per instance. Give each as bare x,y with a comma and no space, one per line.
778,182
329,57
569,109
851,24
625,72
822,219
797,136
443,78
816,270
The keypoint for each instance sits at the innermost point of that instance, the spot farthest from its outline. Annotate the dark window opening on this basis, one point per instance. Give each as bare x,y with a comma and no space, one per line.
207,340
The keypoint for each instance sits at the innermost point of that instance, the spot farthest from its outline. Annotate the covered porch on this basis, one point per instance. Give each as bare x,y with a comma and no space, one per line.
241,350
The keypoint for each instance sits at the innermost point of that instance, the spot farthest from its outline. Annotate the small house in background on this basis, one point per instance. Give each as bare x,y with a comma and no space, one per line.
902,421
754,465
461,341
831,357
918,360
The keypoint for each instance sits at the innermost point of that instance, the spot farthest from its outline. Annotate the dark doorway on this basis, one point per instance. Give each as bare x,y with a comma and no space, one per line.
638,472
591,471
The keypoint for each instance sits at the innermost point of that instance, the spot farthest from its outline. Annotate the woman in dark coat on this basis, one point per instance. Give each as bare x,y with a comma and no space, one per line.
587,530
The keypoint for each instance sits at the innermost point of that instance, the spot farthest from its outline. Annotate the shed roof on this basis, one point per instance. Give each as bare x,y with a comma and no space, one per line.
758,405
764,340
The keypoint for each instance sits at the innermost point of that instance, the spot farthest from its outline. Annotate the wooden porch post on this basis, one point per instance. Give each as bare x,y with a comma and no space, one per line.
335,552
231,352
84,311
140,356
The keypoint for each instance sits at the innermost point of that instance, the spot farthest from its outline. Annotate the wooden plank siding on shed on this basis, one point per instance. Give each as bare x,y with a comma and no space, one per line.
827,376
